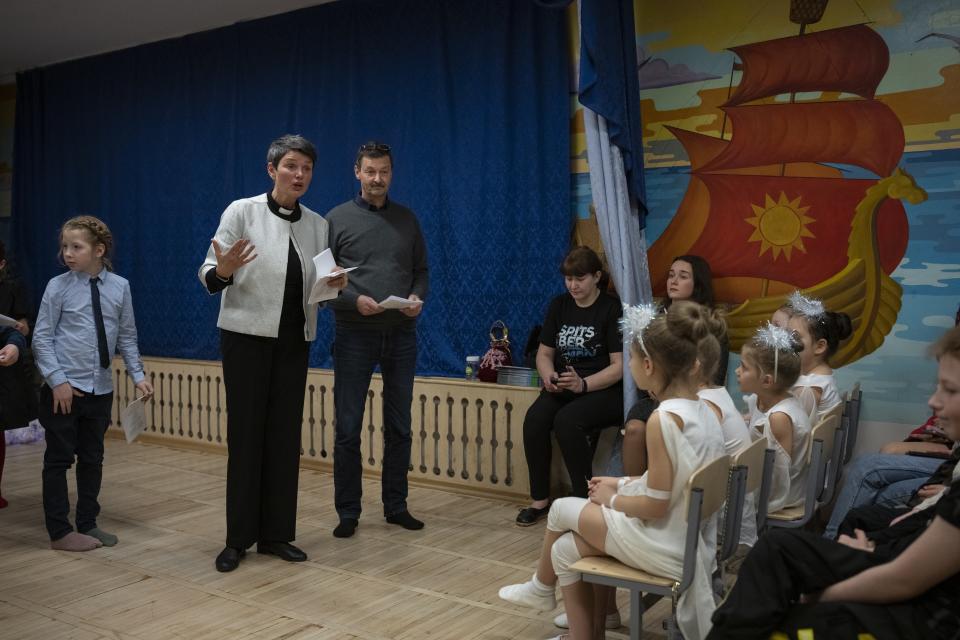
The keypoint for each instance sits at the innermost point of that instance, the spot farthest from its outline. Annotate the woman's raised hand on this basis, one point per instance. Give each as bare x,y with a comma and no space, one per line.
241,253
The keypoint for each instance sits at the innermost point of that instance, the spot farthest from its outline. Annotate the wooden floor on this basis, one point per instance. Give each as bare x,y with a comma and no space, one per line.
166,505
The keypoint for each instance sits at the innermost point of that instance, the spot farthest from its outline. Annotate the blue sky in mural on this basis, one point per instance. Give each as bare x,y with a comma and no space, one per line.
929,275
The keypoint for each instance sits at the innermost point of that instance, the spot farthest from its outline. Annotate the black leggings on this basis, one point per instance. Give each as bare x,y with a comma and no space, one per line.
785,564
570,418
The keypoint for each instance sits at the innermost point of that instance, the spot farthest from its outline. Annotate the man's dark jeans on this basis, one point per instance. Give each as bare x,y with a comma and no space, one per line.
356,353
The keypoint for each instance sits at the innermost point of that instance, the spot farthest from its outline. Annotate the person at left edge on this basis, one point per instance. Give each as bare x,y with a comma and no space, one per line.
261,259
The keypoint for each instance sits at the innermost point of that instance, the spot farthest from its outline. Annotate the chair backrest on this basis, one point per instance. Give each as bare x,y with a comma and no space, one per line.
852,411
766,485
824,431
837,411
745,476
751,457
711,481
706,492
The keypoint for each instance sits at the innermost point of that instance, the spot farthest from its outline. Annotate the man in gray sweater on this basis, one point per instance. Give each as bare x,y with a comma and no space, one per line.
383,240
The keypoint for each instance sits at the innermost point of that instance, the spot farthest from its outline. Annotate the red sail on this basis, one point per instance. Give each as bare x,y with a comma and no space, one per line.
865,133
850,59
792,230
701,149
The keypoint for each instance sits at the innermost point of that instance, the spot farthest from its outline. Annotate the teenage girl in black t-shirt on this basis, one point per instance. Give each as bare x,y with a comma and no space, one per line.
580,360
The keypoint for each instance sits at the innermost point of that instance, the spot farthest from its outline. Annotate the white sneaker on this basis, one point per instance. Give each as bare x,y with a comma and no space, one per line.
525,595
612,621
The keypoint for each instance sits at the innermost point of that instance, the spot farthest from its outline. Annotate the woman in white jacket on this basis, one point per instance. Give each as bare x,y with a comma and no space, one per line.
261,261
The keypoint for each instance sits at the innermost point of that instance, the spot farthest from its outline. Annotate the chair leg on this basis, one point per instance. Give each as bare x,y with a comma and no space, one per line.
670,626
636,615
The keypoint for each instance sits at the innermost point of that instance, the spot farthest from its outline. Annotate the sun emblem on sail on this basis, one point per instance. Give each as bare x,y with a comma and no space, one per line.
780,226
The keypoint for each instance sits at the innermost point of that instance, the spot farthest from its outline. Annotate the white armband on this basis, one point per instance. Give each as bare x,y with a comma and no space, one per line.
613,499
656,494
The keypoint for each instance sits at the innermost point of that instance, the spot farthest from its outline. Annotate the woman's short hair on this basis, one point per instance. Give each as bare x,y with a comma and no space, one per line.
287,143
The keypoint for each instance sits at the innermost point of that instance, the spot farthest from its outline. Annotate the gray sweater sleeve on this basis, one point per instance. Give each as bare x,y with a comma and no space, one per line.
347,300
421,274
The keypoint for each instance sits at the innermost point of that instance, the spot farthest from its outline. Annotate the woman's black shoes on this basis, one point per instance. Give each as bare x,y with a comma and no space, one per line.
229,559
531,515
283,550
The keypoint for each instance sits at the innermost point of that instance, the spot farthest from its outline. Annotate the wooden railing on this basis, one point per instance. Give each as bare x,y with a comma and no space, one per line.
466,435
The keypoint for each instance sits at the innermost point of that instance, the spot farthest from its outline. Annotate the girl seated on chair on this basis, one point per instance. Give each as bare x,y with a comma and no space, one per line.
769,367
736,435
821,332
901,583
640,521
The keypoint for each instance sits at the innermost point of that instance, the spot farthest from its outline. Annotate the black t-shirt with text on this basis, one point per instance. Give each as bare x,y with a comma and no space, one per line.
583,337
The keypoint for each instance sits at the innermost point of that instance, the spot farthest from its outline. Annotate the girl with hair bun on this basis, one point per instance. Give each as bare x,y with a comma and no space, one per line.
769,367
821,332
691,279
734,430
640,521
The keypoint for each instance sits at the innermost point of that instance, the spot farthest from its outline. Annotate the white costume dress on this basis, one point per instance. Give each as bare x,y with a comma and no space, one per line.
789,468
736,436
657,546
829,394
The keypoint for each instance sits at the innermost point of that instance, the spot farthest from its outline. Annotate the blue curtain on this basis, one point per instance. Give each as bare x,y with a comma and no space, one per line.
158,139
609,84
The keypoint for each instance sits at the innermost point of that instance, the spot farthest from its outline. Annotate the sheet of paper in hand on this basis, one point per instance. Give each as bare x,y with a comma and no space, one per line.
134,419
396,302
324,264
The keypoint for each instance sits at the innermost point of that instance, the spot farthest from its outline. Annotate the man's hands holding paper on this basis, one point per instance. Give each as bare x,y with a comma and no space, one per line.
413,311
367,306
410,306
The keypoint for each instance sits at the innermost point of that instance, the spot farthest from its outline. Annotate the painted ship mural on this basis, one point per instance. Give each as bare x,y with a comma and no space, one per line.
770,216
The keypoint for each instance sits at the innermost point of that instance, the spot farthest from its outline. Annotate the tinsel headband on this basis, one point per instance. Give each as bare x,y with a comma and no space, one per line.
808,307
776,338
635,320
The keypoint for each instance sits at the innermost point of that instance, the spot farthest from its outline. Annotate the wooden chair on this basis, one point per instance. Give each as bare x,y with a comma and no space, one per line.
852,412
835,466
822,448
706,492
747,470
746,475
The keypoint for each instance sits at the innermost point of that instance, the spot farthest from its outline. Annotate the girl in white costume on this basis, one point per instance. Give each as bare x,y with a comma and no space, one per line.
820,332
769,367
736,435
641,521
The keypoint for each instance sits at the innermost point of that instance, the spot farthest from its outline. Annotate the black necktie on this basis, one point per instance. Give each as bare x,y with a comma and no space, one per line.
98,319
